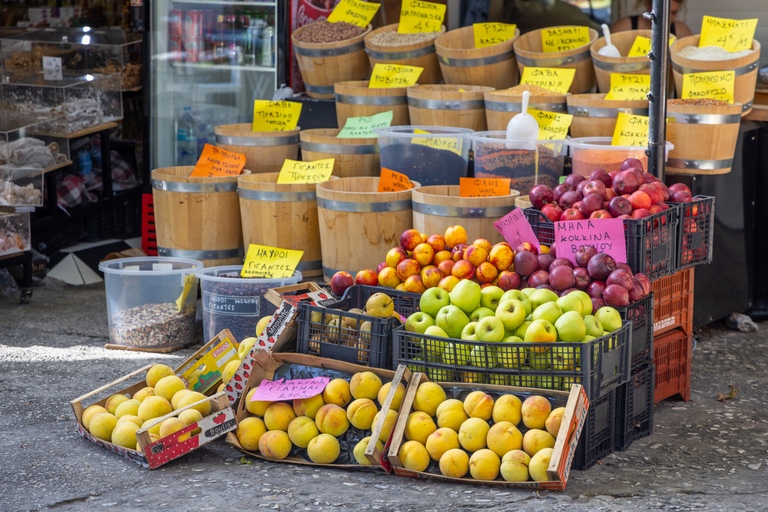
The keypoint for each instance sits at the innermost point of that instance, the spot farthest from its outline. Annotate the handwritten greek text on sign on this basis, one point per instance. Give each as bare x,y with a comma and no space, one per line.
417,16
642,46
448,143
552,126
562,39
362,127
275,116
607,235
393,181
306,172
354,12
718,85
491,34
218,162
554,79
630,130
270,262
52,68
516,229
474,187
274,391
393,75
629,87
732,35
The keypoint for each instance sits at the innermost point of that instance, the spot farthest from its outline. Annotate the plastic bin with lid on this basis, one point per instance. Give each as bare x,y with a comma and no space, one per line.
590,153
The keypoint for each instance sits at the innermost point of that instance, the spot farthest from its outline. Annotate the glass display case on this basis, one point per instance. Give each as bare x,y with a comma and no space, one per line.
15,233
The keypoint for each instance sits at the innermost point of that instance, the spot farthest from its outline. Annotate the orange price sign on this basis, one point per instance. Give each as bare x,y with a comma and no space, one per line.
473,187
218,162
393,181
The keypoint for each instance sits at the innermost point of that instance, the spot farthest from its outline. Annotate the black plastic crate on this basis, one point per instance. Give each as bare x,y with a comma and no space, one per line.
641,315
696,231
634,408
599,365
651,242
597,437
406,303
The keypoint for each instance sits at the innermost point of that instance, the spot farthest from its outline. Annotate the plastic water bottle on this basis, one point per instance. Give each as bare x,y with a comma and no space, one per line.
186,139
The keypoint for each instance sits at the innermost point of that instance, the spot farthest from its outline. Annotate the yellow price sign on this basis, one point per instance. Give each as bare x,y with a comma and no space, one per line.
354,12
630,130
362,127
629,87
717,85
491,34
270,262
562,39
552,126
417,16
452,144
732,35
394,75
204,373
275,116
554,79
641,47
306,172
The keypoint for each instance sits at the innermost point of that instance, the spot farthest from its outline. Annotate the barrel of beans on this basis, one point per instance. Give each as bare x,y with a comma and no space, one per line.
448,105
386,45
594,116
501,106
356,99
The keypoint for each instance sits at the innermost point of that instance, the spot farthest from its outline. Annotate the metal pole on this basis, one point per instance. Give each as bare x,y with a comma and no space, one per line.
657,109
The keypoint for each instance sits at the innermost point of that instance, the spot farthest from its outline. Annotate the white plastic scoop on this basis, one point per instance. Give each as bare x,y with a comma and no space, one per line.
523,126
608,50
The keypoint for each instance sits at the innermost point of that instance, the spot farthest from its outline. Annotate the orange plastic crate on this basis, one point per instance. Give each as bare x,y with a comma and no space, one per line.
672,357
673,303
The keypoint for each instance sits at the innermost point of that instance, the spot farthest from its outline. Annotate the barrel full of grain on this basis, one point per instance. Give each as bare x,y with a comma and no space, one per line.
502,106
594,116
356,99
386,46
461,106
264,151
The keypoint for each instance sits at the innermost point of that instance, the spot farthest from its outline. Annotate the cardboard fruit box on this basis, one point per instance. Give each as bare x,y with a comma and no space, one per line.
274,366
576,406
221,419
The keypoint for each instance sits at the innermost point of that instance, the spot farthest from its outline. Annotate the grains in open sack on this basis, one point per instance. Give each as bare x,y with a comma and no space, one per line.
698,102
711,53
397,39
153,325
326,32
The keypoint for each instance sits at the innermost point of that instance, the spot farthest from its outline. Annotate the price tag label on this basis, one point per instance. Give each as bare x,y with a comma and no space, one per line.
642,46
211,365
417,16
732,35
562,39
491,34
607,235
393,75
473,187
447,143
306,172
362,127
552,126
629,87
630,131
516,229
717,85
393,181
52,68
274,391
270,262
275,116
555,79
218,162
354,12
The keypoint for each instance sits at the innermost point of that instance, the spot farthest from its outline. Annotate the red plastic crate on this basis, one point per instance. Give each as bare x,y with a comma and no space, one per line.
148,234
673,303
672,358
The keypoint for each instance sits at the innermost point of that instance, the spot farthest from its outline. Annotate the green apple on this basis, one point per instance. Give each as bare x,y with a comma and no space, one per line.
480,313
490,296
418,322
540,331
587,339
433,349
548,311
490,329
570,327
538,360
520,331
594,327
512,314
528,291
483,357
563,361
571,302
519,295
609,318
469,332
548,382
432,300
457,354
509,356
542,296
452,320
434,330
586,301
466,295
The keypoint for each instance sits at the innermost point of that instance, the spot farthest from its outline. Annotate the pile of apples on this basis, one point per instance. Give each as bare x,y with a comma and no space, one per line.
629,193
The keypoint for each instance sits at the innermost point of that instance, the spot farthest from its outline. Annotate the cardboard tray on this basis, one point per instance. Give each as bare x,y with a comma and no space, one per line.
265,367
576,406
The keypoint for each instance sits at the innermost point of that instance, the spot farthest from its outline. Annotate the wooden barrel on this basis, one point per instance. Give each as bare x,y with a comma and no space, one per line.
523,202
447,105
324,64
594,116
623,41
528,51
356,99
358,225
462,63
438,207
283,216
353,157
501,107
197,218
418,54
745,70
704,138
264,151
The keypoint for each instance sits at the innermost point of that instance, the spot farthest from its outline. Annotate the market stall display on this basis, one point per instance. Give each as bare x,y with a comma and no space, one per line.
459,106
595,116
503,105
352,156
15,233
356,99
386,45
264,151
590,153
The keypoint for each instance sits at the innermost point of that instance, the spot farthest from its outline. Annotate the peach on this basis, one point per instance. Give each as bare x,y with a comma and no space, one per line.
473,434
448,283
445,267
501,256
408,268
129,407
361,412
397,399
442,256
171,425
151,427
189,417
455,235
359,451
482,242
536,440
504,437
301,430
169,386
190,398
440,441
275,445
365,385
337,392
112,402
410,239
102,425
437,242
395,256
484,465
249,431
389,423
486,273
153,407
514,466
278,416
127,418
414,456
507,408
457,253
332,419
419,427
179,394
554,420
535,411
463,269
430,276
454,463
450,414
157,372
323,449
475,255
539,464
143,393
414,284
478,405
388,278
124,435
257,407
423,253
308,406
428,397
366,277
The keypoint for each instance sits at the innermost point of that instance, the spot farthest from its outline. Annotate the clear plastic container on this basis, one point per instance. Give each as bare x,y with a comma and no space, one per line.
439,157
141,301
590,153
525,163
236,303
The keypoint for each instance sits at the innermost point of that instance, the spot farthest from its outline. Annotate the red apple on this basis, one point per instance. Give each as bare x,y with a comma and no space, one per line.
367,277
581,278
552,211
561,189
595,187
545,260
616,295
624,266
600,266
526,263
641,213
601,175
568,199
653,192
613,175
637,291
663,206
679,186
655,209
560,262
619,206
650,178
509,280
572,214
624,216
567,291
546,287
625,182
574,179
620,277
553,250
680,196
341,281
577,205
640,200
601,214
662,188
580,187
631,162
610,194
538,278
591,203
540,195
583,254
640,175
597,303
561,278
646,282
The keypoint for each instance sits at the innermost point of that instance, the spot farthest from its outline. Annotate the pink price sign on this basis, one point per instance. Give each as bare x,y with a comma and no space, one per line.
607,235
274,391
516,229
